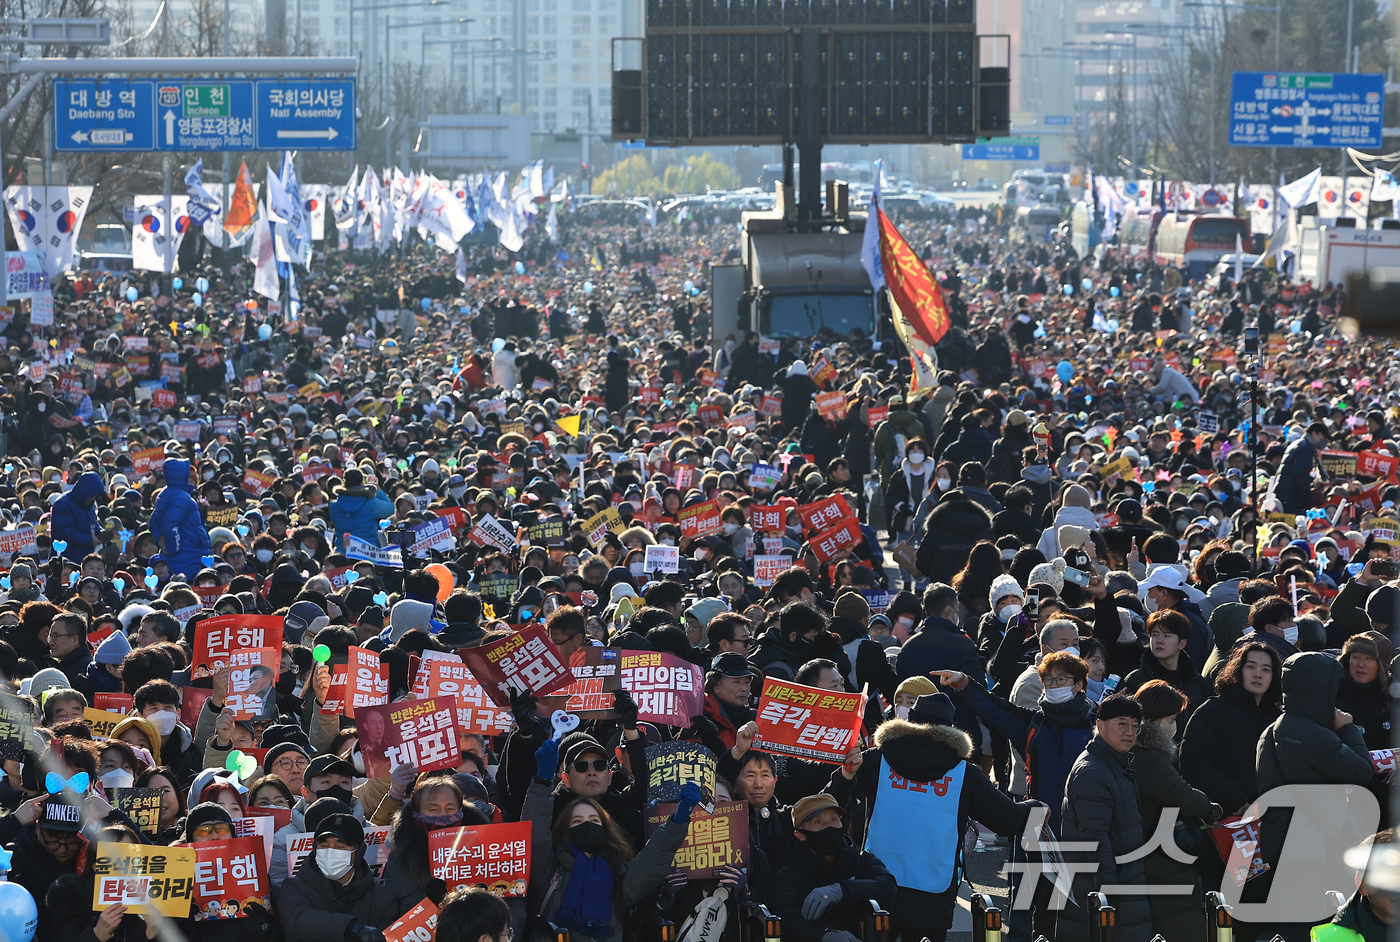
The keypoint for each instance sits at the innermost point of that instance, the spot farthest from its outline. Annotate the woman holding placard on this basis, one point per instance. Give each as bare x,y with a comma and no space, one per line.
70,902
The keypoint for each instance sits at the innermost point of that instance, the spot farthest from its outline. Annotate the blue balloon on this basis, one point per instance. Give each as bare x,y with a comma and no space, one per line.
1114,291
588,287
1065,371
689,286
177,282
18,912
1087,284
520,268
202,285
427,303
131,294
264,331
197,298
1069,289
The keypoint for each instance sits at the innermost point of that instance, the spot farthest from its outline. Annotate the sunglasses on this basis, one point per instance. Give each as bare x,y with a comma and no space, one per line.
210,830
599,765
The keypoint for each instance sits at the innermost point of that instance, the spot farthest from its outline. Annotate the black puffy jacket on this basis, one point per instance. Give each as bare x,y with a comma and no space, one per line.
955,525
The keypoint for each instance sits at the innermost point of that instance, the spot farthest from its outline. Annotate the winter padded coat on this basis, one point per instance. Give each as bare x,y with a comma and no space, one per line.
551,867
955,525
1161,786
1217,751
177,520
74,518
314,908
861,877
358,510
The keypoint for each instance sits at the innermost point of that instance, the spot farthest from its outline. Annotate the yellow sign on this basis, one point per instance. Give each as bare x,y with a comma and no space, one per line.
310,389
1114,468
101,722
143,878
598,526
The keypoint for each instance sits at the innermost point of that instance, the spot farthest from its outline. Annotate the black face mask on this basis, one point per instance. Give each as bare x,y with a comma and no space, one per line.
587,837
339,792
828,842
286,682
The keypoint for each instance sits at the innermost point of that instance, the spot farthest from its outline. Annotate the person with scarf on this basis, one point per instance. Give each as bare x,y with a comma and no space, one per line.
585,877
435,803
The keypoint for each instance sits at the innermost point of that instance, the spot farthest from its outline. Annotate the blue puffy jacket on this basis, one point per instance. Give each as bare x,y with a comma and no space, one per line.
357,511
178,522
74,518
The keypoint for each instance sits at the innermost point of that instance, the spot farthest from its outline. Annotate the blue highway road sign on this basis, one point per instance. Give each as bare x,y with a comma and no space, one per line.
108,115
1297,109
1003,148
203,115
306,114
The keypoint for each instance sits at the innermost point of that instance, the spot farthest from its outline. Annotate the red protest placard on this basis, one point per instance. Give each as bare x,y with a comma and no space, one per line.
823,372
711,415
456,517
147,460
700,520
255,482
668,689
163,398
191,702
112,702
770,406
1373,464
766,518
420,733
874,415
650,395
494,857
229,876
252,672
217,638
836,542
824,513
527,662
334,703
831,403
366,680
590,696
808,722
280,817
449,677
419,924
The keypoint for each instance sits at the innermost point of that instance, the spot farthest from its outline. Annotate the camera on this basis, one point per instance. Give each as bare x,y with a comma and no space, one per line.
403,537
1386,568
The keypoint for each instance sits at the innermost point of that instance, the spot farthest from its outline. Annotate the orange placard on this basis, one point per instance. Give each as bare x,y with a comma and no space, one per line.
806,721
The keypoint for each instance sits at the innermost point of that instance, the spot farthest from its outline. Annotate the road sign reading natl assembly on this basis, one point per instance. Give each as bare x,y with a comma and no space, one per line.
1297,109
203,115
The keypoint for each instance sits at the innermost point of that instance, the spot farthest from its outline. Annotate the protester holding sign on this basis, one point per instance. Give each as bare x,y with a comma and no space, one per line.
434,804
333,896
70,898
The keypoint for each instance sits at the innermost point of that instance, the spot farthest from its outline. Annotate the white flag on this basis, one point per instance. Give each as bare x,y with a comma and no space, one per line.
156,236
870,241
264,256
64,211
347,205
551,225
1239,258
461,267
1384,187
203,205
1303,191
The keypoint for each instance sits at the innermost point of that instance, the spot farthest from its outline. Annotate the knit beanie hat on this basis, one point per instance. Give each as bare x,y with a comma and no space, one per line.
407,615
1380,605
207,812
113,649
1071,536
1051,574
852,605
1002,586
916,687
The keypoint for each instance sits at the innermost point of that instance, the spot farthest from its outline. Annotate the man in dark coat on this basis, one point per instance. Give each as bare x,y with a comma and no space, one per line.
616,392
1005,463
743,362
955,525
941,645
1101,809
1293,485
973,444
798,390
993,359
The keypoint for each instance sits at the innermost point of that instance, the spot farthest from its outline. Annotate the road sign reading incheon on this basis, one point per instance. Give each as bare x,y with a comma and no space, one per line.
186,115
1302,109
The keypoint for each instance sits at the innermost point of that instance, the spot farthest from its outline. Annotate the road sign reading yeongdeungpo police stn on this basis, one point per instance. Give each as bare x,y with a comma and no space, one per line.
1306,109
209,115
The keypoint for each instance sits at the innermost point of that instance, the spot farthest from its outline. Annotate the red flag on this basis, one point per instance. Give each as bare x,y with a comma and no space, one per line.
915,296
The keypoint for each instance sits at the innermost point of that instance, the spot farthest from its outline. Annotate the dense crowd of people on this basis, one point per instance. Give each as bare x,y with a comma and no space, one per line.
1125,568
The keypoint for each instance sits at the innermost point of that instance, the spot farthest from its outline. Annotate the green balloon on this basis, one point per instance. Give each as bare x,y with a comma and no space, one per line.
321,654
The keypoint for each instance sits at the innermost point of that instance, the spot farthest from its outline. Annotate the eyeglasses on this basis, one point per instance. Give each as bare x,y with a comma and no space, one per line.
598,765
213,830
271,803
60,838
1126,726
290,764
1054,682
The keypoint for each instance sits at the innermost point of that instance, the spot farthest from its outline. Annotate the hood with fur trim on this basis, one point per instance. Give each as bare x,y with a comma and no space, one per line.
1152,736
922,752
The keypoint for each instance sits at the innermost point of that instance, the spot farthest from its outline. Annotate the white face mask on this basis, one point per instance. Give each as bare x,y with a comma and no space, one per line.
1058,694
1008,612
264,555
1291,635
730,529
309,549
457,492
1072,650
944,483
117,778
916,458
902,712
636,568
334,863
358,761
164,721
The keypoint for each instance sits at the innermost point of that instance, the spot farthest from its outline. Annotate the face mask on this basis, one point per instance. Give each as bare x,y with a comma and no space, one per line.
1072,650
730,529
916,458
208,475
637,568
275,442
117,778
1008,612
1059,694
701,555
457,492
666,541
164,721
902,712
906,623
944,483
264,555
286,682
588,836
539,426
339,792
1291,635
308,549
828,842
433,822
334,863
358,761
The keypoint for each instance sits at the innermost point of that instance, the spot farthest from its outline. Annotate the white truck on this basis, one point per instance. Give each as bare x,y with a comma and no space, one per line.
1329,253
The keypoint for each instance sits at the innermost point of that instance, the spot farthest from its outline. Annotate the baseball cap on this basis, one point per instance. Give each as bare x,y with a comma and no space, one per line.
329,764
807,807
1163,577
731,664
